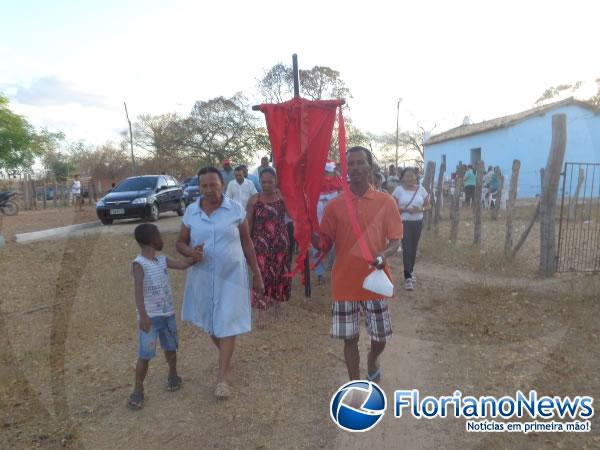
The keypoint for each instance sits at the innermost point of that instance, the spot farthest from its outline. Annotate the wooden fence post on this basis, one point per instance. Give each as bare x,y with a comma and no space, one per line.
479,167
523,237
549,191
54,194
460,173
27,192
428,185
44,194
34,194
510,207
500,178
573,201
439,197
24,194
93,193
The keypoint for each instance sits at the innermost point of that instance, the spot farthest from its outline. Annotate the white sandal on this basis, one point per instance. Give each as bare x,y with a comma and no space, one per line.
222,390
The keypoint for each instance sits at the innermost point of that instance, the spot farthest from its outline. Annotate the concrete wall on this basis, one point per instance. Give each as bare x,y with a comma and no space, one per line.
528,141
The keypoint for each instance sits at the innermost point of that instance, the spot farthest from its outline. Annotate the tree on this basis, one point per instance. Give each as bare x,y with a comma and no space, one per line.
20,144
102,162
277,85
160,135
410,143
222,128
318,83
554,92
59,166
595,100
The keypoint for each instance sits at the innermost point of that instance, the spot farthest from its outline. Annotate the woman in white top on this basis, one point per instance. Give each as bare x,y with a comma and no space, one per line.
412,200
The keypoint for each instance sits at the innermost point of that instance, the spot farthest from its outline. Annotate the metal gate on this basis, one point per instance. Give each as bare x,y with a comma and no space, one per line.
578,248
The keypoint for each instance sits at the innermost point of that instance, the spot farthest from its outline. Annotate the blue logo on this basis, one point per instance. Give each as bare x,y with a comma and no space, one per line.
358,406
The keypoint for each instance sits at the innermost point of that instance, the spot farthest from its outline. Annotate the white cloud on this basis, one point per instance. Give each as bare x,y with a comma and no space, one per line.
52,91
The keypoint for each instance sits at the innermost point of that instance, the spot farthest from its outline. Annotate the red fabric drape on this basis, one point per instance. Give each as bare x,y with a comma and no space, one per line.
300,134
331,184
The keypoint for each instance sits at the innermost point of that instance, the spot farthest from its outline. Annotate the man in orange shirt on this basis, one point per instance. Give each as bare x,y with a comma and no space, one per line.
381,228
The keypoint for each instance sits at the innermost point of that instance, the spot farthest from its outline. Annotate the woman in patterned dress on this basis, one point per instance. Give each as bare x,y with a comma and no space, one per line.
266,217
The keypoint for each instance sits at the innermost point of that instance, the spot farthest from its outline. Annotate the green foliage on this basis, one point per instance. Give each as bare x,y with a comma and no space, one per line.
18,143
61,167
223,128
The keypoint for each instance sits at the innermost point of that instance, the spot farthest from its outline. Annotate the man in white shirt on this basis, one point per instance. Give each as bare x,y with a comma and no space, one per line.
76,193
240,188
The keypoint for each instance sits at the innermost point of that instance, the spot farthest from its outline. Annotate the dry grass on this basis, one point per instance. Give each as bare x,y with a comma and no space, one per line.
489,256
494,340
68,347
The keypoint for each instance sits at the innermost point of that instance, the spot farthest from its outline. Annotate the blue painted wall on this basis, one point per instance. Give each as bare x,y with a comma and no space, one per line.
528,141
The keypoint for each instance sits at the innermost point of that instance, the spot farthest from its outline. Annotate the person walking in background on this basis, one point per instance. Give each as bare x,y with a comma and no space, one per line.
155,309
264,164
76,193
251,177
227,172
392,179
485,189
330,189
240,189
469,182
381,228
379,180
266,219
493,187
412,200
217,289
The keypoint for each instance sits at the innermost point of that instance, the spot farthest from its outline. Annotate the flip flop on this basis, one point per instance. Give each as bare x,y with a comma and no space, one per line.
222,391
136,401
174,383
375,376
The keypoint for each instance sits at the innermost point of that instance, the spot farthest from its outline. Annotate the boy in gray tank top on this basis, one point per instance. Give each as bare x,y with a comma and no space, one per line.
155,309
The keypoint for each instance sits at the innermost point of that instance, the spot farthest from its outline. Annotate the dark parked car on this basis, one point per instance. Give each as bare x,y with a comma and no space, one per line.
144,197
187,181
191,190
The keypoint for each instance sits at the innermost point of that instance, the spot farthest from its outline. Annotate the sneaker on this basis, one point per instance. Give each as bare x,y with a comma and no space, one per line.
414,280
408,284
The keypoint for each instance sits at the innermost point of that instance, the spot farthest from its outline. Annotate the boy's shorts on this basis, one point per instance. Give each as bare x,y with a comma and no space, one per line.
164,328
345,319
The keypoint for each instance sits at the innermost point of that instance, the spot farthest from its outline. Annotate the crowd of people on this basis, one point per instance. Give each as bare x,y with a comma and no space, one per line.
490,186
237,248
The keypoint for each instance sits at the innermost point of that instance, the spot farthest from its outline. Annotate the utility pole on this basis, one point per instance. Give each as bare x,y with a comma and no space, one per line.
130,140
397,129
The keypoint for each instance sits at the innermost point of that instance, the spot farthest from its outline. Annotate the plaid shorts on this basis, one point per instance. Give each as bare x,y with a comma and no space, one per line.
345,319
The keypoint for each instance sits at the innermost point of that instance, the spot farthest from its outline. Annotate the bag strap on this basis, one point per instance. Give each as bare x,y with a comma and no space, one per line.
411,199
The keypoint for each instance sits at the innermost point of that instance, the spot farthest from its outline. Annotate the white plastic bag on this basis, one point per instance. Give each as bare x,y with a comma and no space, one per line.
378,282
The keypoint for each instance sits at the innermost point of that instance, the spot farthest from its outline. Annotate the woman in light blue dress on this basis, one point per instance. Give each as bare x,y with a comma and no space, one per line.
217,289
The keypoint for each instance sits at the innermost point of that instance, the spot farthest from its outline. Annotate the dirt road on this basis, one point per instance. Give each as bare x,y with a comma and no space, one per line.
67,353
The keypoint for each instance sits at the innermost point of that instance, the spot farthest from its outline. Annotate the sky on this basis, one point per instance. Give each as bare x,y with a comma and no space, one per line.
68,65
